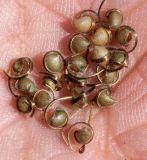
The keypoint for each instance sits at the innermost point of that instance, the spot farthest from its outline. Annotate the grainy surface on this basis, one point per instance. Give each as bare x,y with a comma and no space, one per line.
32,27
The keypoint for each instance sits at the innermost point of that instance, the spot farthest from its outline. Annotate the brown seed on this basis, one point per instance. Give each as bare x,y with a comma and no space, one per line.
53,62
79,44
109,77
22,65
42,99
100,55
118,59
101,36
84,135
26,85
83,23
115,18
77,64
80,102
47,81
79,99
18,66
23,104
124,35
58,119
104,98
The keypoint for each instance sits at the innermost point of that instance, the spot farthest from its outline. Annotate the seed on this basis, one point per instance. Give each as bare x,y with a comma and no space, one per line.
104,98
100,55
124,35
84,135
47,81
58,119
115,18
23,104
108,77
77,64
118,57
53,62
101,36
26,85
85,20
80,102
79,44
42,99
83,23
18,66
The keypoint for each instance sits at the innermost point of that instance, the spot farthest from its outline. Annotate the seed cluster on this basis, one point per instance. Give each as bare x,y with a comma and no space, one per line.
99,50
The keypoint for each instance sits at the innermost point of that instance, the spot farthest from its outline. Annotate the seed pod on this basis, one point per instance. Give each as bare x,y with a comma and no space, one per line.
26,85
126,35
23,104
84,135
100,55
20,68
41,99
79,44
85,21
115,18
53,62
104,98
101,36
59,119
77,65
108,77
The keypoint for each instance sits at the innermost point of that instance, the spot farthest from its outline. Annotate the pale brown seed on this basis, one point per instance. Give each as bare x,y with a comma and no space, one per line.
79,44
100,36
115,18
83,23
100,55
